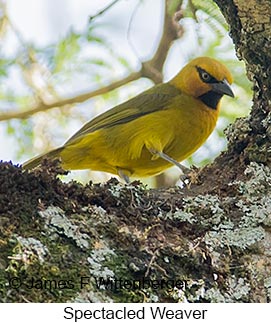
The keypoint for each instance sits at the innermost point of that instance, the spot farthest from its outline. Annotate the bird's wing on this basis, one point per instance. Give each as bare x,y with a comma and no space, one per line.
152,100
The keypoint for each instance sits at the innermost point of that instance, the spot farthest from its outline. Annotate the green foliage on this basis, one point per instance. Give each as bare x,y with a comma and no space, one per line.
66,51
4,65
213,15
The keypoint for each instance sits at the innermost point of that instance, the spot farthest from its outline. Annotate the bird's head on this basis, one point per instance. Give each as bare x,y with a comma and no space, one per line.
206,79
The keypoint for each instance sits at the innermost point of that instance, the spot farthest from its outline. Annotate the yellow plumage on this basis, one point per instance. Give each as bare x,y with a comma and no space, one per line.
138,138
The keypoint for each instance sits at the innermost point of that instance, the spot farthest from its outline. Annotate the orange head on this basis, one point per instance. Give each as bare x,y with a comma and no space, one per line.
203,76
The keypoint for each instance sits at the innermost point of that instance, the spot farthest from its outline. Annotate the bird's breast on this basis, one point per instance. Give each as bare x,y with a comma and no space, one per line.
192,124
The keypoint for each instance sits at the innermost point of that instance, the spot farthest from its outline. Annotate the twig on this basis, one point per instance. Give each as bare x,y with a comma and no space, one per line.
101,12
130,28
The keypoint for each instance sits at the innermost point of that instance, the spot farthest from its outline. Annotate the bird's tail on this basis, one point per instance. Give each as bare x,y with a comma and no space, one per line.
36,161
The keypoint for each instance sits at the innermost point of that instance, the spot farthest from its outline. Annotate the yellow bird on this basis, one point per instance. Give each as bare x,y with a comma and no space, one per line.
148,133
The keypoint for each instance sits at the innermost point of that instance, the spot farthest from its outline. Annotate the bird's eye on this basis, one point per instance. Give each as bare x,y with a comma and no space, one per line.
205,76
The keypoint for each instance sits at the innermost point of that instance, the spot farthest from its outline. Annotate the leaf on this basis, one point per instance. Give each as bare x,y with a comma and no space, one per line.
212,11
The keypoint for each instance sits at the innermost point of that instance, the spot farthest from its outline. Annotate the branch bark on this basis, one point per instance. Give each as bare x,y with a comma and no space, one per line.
250,31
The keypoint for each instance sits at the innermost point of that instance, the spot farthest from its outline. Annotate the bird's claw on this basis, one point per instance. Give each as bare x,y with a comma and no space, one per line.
190,176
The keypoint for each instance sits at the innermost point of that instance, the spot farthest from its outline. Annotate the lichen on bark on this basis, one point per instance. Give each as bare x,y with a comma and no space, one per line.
207,242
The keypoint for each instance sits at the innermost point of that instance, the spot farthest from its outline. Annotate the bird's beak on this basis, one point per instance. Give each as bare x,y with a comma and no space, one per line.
223,87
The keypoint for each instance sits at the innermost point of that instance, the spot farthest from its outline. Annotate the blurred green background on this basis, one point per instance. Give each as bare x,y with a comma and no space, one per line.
57,49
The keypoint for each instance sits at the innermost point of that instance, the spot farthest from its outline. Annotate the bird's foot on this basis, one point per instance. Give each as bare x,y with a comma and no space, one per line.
190,175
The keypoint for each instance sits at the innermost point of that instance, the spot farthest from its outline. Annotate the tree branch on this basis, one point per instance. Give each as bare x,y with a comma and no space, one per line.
171,31
73,100
151,69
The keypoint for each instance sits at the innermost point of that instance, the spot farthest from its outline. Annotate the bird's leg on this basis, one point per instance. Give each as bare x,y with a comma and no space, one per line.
123,175
188,174
169,159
